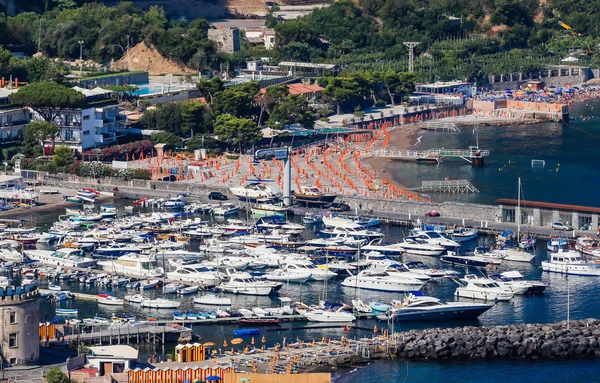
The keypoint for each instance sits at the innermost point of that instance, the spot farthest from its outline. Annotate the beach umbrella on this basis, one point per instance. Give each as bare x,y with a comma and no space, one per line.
224,342
213,378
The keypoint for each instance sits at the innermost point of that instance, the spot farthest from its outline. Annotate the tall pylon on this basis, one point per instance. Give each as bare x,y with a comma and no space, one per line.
411,54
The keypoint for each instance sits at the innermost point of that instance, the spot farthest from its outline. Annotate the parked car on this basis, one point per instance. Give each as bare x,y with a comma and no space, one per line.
561,226
432,213
218,196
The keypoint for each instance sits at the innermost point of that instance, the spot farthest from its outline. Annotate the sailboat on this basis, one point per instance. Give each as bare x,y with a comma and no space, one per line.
526,242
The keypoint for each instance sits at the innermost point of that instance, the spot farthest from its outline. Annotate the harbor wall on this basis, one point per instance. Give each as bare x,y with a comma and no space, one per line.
467,211
578,340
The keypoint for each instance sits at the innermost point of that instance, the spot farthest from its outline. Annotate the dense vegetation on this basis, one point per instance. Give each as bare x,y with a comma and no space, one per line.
106,33
458,39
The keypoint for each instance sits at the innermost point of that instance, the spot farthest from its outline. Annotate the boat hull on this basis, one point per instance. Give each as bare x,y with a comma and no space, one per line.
445,314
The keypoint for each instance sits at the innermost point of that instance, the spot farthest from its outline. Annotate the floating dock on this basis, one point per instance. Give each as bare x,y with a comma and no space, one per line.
449,186
473,155
440,126
124,333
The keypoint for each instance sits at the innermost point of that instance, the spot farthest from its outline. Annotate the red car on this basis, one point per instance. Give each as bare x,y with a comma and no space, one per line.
432,213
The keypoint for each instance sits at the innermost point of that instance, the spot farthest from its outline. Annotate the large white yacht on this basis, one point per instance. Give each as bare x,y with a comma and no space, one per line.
570,262
485,289
195,273
245,284
61,257
435,238
418,246
137,265
299,266
373,279
253,192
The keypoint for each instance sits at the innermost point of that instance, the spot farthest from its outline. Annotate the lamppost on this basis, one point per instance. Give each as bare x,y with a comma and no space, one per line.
80,42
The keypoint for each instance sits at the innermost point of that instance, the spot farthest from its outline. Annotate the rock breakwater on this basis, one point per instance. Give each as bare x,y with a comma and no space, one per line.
580,340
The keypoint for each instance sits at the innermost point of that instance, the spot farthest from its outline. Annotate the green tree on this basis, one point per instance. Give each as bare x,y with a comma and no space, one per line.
235,101
340,89
171,140
208,88
237,131
55,375
293,109
195,118
48,99
121,90
40,131
166,117
63,155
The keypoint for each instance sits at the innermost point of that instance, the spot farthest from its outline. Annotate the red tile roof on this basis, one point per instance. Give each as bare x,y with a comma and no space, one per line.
304,89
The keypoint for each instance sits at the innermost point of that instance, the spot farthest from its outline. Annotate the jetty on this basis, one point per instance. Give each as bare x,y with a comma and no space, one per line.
440,126
449,186
123,333
473,155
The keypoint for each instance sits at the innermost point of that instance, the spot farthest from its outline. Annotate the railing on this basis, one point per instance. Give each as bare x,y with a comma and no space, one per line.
471,152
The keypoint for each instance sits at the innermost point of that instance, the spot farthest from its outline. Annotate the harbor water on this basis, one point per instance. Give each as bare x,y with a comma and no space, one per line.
570,174
551,307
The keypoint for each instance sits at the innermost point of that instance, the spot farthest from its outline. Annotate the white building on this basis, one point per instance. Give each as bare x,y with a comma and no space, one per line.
12,119
99,123
446,87
112,359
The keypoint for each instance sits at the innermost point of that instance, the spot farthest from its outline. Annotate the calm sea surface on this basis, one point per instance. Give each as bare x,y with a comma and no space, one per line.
571,175
570,152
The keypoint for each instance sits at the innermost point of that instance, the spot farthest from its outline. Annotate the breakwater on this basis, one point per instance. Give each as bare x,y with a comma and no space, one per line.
579,340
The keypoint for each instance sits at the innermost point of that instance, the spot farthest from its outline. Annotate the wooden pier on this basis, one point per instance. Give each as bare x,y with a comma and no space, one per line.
449,186
472,155
440,126
124,333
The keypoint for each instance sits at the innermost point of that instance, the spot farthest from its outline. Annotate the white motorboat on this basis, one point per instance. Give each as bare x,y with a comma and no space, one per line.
137,298
259,312
175,203
225,209
506,254
419,246
420,268
148,284
374,279
435,238
463,234
517,288
484,289
188,290
361,307
160,303
328,316
172,288
244,283
62,257
107,299
288,275
393,250
195,273
534,287
253,191
557,243
301,267
212,300
570,262
137,265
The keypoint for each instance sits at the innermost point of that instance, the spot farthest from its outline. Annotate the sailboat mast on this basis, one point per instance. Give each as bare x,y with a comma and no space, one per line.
519,211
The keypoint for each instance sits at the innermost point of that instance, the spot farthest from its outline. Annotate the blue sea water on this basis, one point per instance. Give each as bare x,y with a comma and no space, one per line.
569,150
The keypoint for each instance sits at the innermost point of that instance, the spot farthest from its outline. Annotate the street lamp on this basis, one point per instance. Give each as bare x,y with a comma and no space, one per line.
80,42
